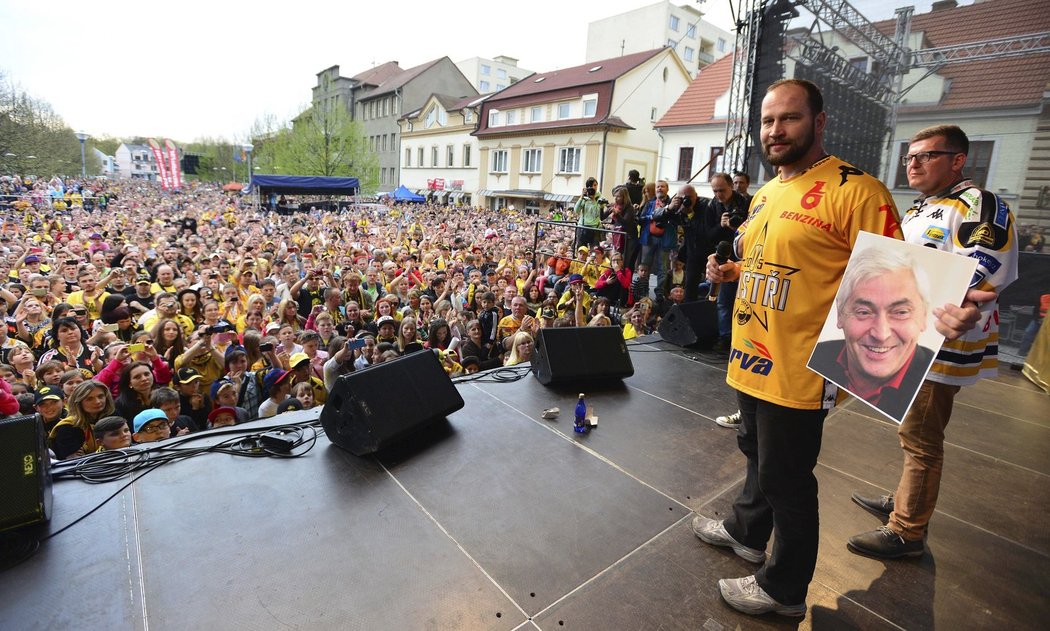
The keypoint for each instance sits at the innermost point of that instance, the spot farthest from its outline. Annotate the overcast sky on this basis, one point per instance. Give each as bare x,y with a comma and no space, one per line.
130,68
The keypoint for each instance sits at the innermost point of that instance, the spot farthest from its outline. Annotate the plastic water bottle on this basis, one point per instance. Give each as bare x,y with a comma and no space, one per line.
580,422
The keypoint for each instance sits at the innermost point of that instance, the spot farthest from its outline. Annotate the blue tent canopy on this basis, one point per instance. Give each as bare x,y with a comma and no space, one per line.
305,185
402,194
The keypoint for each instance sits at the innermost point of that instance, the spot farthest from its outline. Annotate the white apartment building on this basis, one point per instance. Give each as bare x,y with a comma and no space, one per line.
492,75
696,41
135,162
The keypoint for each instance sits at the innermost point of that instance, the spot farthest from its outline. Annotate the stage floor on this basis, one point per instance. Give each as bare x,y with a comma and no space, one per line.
497,519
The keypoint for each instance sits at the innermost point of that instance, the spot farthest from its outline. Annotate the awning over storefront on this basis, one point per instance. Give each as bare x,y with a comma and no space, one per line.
561,199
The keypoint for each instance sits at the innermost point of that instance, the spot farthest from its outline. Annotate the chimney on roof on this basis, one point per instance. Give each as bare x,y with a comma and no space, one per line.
943,5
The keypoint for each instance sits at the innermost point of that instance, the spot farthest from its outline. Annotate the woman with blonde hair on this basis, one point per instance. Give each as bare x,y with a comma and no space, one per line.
72,437
520,349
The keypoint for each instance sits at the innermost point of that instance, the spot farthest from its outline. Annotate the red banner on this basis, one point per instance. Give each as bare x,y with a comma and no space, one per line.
173,162
162,166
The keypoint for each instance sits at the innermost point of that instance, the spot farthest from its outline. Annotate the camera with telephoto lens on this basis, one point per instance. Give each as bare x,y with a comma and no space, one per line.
736,218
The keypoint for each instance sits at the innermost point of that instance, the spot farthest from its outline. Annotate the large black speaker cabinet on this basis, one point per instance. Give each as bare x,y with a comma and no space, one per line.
691,324
369,409
586,353
25,472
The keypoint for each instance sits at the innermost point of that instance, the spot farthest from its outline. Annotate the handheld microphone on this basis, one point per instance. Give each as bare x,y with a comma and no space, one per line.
723,251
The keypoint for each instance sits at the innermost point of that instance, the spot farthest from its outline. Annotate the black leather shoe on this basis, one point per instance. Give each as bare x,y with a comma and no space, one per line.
878,506
883,543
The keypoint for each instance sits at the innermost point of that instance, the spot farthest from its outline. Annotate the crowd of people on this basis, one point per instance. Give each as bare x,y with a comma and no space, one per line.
134,314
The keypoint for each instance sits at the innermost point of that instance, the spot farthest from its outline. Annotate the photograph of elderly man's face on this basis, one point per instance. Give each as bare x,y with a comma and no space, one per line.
879,340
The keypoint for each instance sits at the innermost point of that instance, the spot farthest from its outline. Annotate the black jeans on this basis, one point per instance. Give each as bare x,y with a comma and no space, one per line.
779,494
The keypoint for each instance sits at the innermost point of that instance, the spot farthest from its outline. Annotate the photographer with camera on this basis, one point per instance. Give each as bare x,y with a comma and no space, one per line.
728,210
588,209
690,211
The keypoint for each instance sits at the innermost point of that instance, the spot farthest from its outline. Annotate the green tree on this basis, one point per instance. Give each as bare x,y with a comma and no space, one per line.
326,141
33,139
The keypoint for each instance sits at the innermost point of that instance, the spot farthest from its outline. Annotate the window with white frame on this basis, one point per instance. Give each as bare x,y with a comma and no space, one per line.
569,160
672,43
564,110
419,156
494,119
674,23
590,105
466,156
483,85
530,160
468,115
512,117
486,69
408,157
433,156
450,155
536,114
690,31
431,118
721,45
500,86
499,161
688,54
501,73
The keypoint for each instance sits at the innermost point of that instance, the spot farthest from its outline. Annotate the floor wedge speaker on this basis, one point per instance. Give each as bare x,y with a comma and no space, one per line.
587,353
25,472
369,409
690,324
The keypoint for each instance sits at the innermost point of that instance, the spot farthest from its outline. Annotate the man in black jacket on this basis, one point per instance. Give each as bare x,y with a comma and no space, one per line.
690,211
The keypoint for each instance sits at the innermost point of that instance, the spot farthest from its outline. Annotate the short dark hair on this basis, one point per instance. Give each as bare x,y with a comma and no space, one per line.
813,96
743,174
953,136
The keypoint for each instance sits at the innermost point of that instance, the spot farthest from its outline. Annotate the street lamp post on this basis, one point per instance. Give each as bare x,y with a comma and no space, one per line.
82,136
248,149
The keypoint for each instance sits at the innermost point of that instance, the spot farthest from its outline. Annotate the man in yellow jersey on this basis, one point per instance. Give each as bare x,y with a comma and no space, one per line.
793,249
953,215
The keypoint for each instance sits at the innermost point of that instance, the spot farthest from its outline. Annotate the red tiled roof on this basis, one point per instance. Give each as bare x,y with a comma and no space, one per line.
608,70
696,106
996,83
399,79
378,74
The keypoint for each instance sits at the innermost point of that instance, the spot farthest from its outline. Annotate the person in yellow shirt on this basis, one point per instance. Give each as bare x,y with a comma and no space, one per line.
90,294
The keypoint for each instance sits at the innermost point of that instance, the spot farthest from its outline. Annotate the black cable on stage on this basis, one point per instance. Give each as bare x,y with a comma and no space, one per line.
109,466
507,374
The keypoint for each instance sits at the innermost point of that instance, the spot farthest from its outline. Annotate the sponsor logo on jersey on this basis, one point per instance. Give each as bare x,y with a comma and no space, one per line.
937,234
808,220
756,358
1002,213
987,261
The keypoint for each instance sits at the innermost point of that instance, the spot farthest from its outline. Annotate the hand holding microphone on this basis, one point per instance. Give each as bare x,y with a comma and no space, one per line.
723,251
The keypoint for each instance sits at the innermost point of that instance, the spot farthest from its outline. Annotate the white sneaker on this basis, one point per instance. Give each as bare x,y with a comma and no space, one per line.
744,595
714,532
732,421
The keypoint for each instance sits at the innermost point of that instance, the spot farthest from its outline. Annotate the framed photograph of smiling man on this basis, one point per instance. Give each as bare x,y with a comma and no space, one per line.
879,339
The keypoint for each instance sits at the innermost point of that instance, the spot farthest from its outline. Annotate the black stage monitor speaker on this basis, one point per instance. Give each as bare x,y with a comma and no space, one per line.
691,323
370,409
586,353
25,472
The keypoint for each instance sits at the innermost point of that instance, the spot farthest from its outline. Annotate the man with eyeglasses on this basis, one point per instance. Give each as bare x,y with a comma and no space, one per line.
953,215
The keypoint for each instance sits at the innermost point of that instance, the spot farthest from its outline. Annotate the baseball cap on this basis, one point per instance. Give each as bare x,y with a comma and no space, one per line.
289,404
32,258
186,375
274,377
582,248
233,349
298,358
575,278
147,415
143,278
46,393
220,384
384,319
224,409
